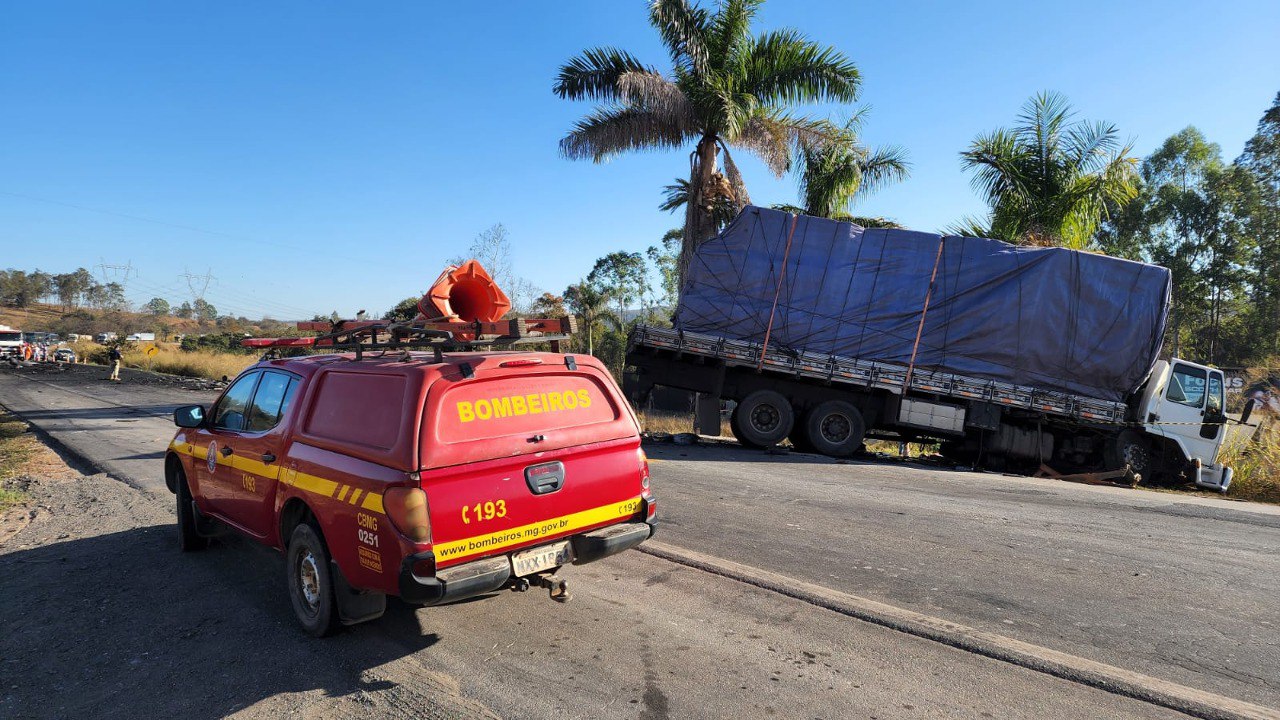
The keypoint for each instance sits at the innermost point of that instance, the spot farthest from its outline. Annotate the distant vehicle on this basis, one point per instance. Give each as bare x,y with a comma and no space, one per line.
73,337
103,338
141,337
10,341
64,355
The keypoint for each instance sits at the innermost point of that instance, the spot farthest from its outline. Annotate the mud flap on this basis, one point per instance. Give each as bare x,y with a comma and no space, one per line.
355,606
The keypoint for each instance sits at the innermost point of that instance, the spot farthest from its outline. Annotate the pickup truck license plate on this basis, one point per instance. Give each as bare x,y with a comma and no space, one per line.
541,558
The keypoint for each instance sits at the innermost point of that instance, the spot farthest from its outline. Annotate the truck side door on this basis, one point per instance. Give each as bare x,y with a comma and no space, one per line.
212,471
1184,408
258,450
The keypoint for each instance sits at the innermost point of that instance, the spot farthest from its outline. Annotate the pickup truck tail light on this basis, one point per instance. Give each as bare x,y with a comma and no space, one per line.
644,469
407,508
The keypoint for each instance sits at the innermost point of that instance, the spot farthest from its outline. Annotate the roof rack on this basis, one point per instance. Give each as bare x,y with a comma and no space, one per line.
440,336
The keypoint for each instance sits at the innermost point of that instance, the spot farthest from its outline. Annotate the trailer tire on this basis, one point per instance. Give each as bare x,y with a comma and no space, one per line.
835,428
763,419
1130,448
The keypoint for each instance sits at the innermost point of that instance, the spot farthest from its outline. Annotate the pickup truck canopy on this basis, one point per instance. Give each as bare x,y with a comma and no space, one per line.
1049,318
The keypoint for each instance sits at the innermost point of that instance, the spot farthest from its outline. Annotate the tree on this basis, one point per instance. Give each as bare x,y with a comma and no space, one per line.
204,311
590,304
727,88
665,259
1261,158
406,309
96,295
548,305
157,306
1048,180
1191,217
115,299
838,171
184,311
622,276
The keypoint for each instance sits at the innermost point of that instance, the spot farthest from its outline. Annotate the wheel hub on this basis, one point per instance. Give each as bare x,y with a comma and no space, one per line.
836,428
1135,456
309,579
765,418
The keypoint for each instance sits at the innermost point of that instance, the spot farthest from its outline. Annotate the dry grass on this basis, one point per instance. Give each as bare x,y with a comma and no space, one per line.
665,422
1256,461
197,364
16,448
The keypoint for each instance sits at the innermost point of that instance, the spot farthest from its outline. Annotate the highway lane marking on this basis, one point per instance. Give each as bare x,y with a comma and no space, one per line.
1023,654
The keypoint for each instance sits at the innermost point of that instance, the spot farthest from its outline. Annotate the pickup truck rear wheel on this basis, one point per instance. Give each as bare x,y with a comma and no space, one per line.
835,428
189,540
762,419
310,581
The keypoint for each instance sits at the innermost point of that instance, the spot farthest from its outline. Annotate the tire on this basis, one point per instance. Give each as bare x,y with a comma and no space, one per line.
310,581
835,428
762,419
1132,449
189,539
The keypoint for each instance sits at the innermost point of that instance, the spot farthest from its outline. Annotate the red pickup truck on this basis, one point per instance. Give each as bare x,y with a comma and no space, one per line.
431,477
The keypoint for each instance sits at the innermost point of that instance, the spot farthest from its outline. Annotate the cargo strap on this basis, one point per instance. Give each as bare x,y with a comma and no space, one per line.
911,366
782,275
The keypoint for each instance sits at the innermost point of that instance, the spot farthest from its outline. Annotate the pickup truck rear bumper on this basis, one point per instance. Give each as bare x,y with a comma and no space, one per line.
484,576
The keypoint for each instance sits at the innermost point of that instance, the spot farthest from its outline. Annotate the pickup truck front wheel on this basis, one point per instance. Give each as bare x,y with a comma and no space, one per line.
189,538
310,581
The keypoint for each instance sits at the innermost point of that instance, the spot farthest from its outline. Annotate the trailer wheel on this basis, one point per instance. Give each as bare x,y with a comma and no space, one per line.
762,419
1130,448
835,428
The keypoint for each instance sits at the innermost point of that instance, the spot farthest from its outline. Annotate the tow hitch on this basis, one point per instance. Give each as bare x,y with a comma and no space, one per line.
555,584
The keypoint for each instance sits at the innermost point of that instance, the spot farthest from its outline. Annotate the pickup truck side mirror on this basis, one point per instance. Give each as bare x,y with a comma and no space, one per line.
189,416
1247,411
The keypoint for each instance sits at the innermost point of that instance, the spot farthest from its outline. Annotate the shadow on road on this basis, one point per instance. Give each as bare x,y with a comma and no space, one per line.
121,414
123,625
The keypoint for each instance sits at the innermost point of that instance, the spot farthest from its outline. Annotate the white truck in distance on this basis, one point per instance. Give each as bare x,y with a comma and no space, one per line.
10,341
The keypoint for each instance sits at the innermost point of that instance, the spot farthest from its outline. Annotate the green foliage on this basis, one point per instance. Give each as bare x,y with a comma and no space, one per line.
623,277
226,342
184,311
837,170
157,306
727,88
1261,158
1191,217
406,309
1049,181
203,310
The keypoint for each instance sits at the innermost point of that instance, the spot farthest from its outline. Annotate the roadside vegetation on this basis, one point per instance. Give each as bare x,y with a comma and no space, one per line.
16,448
1256,460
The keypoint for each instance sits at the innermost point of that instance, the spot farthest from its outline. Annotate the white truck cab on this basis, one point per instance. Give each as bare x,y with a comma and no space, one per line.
1183,403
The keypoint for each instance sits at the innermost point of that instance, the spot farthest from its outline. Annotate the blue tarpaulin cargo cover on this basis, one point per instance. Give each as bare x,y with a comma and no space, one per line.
1047,318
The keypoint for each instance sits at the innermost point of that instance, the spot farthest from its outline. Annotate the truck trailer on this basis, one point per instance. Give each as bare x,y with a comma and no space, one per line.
1009,357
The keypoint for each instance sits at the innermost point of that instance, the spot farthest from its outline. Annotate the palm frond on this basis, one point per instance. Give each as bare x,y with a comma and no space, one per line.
969,227
610,131
882,167
997,160
785,67
770,135
730,31
740,197
683,28
652,92
594,74
675,195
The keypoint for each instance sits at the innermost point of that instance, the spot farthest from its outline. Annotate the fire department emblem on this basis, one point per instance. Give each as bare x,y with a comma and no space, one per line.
212,460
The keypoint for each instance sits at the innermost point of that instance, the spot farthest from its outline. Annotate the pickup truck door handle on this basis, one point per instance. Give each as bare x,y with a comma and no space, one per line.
226,452
268,457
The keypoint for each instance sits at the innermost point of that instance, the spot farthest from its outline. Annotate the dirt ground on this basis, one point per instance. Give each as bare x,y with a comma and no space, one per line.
99,619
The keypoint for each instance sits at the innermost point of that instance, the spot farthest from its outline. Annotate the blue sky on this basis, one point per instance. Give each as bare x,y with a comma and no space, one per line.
319,156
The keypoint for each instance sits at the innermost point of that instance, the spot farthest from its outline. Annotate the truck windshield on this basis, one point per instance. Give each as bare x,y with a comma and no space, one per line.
1186,387
10,337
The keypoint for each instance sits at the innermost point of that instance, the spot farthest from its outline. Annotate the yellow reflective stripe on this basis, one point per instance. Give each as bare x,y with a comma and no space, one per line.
373,503
342,494
310,483
533,531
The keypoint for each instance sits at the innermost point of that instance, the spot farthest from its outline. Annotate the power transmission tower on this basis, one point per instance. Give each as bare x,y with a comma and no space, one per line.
119,274
198,284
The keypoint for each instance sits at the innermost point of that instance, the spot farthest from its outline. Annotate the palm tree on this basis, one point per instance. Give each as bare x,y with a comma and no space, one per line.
591,303
727,87
1048,180
839,170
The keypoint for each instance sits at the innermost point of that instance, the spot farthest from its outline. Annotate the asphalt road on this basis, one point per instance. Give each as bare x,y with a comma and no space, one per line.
1180,588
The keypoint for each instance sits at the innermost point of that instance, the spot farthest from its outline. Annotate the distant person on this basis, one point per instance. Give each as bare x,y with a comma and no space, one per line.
114,357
